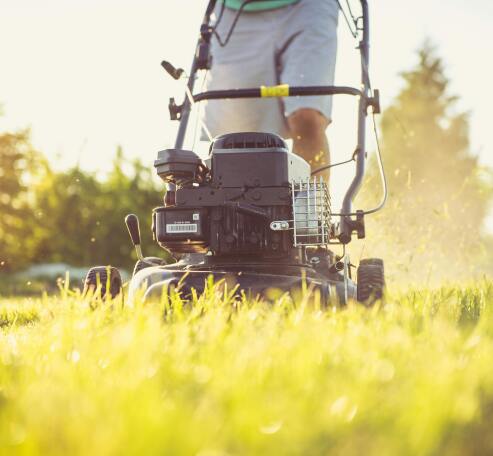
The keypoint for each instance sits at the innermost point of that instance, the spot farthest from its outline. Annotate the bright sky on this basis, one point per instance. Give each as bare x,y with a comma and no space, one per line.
85,74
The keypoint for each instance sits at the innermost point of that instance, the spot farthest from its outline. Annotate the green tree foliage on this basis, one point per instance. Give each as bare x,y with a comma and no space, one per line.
71,216
81,217
129,188
17,160
438,201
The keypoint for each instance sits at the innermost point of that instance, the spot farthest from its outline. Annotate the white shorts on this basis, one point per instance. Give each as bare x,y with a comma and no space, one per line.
293,45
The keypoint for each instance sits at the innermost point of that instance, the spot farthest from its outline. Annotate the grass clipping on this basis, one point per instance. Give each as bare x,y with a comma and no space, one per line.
229,376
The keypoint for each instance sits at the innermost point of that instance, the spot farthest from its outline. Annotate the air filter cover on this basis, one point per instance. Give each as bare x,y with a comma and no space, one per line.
179,166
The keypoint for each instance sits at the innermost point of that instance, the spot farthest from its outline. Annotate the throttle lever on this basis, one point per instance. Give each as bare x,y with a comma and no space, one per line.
175,73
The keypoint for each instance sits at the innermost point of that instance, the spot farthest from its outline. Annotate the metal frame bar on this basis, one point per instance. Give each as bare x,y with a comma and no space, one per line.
295,91
186,107
352,191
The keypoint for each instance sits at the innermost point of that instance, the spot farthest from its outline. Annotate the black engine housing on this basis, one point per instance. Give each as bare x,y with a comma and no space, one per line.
226,208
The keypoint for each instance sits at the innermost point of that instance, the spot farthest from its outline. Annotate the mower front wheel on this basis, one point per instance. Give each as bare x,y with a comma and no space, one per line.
370,280
103,280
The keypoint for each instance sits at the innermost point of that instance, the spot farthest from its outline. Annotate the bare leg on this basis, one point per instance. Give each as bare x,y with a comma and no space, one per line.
307,127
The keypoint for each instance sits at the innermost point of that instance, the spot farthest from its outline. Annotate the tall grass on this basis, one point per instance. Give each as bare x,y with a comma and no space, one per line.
230,376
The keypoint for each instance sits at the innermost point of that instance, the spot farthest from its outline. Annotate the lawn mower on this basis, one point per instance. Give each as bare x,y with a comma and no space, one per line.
253,213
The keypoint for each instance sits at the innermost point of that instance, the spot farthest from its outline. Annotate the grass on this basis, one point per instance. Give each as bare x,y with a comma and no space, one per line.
228,377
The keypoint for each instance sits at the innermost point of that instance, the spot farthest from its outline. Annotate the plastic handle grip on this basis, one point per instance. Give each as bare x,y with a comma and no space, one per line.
132,222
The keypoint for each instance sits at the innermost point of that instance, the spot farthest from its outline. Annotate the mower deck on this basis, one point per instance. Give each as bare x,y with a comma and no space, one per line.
254,279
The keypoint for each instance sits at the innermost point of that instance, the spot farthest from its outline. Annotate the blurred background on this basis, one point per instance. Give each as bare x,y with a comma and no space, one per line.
84,111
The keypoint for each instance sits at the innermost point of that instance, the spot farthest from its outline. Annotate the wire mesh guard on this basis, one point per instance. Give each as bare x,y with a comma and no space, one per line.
311,212
311,223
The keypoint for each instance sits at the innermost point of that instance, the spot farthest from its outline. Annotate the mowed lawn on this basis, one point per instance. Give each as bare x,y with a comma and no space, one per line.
226,377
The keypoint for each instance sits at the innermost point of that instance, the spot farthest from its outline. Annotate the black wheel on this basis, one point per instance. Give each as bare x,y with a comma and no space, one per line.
372,261
149,262
98,276
371,280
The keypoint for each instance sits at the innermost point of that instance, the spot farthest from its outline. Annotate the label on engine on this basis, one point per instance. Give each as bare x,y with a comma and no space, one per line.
181,228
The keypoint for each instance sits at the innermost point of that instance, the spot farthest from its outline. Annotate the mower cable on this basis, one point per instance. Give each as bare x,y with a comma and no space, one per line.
323,168
220,16
355,19
354,32
233,25
381,169
199,118
383,179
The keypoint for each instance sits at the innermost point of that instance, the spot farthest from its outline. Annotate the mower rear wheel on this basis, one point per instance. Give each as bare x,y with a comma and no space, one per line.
372,261
147,263
371,280
98,276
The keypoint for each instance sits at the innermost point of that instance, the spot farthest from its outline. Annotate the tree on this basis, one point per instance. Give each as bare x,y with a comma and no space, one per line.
438,199
65,206
18,162
129,188
79,218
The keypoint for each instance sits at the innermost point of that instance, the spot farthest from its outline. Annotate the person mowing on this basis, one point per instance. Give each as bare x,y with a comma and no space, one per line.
276,42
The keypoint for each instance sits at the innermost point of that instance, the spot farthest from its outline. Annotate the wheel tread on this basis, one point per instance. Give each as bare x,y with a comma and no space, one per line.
371,280
99,275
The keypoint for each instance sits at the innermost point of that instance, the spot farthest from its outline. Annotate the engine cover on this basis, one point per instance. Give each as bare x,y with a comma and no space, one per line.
255,160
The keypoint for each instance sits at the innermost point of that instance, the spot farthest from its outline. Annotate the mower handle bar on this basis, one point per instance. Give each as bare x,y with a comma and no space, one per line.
268,92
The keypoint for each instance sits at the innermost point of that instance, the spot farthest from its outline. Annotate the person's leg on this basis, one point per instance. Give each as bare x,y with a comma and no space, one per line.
248,60
307,128
307,57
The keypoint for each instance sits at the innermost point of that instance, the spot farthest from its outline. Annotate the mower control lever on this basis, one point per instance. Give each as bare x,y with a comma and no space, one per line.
175,73
132,222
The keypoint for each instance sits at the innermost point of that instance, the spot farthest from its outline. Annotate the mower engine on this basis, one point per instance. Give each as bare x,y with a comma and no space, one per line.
252,198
